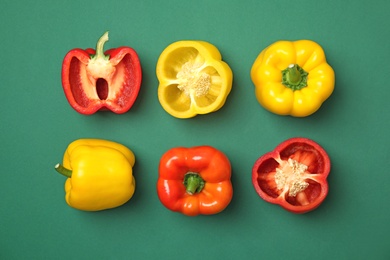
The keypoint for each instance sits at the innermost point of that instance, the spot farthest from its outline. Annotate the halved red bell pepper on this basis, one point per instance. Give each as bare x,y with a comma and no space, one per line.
97,80
294,175
195,180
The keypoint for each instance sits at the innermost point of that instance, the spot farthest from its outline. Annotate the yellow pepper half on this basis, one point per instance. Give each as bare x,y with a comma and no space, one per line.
292,78
100,174
193,79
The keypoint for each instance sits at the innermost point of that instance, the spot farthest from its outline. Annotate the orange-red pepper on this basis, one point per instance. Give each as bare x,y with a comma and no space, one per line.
195,180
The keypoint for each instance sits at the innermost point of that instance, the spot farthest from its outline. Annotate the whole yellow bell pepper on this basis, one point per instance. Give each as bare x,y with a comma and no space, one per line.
292,78
100,174
192,79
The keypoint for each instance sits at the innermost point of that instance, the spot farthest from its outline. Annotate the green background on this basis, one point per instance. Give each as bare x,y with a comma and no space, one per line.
37,124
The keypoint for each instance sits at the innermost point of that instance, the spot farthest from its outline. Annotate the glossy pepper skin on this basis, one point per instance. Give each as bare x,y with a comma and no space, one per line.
294,175
292,78
97,80
100,174
193,79
195,180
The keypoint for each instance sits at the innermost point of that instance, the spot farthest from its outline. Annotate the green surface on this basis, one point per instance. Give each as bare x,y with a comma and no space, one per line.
37,124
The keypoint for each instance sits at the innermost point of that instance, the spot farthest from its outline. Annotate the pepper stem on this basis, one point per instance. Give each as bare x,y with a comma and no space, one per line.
62,170
193,183
294,77
100,47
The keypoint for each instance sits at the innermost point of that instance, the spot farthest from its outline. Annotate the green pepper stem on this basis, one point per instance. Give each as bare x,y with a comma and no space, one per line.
62,170
294,77
193,183
100,47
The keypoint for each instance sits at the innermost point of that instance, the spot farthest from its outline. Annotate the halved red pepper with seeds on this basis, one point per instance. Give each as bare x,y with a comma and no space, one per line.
97,80
294,175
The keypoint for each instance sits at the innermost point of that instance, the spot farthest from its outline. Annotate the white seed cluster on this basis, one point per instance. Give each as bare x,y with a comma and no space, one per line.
192,81
291,175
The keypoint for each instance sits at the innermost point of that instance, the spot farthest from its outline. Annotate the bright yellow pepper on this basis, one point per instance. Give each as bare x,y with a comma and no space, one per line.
100,174
292,78
193,79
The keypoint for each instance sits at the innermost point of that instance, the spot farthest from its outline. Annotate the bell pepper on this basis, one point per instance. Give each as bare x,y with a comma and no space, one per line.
294,175
99,174
195,180
97,80
292,78
192,79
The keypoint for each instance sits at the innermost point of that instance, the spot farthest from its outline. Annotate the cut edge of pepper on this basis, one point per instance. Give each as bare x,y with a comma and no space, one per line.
281,198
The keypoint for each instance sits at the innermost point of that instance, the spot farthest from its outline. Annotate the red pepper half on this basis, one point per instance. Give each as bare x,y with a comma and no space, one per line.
98,80
195,180
294,175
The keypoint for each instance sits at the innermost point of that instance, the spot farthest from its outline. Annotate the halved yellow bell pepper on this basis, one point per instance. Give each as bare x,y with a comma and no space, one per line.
100,174
292,78
193,79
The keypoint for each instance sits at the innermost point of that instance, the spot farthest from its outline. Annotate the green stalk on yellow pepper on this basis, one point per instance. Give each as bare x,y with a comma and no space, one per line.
292,78
99,174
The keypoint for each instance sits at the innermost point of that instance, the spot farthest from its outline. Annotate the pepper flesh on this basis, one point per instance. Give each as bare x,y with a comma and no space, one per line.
292,78
101,174
195,180
93,80
293,176
193,79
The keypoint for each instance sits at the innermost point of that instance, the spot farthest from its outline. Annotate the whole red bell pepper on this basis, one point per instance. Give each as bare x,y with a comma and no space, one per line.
195,180
294,175
97,80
